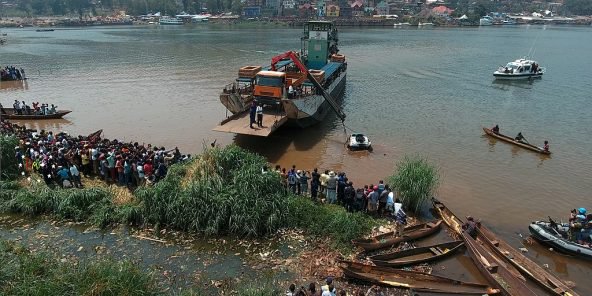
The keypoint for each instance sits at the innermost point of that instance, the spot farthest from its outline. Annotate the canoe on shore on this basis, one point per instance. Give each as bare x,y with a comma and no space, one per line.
417,255
511,140
10,114
502,250
417,281
389,239
495,273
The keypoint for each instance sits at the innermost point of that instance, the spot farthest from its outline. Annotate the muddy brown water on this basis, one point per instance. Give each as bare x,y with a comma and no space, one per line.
413,91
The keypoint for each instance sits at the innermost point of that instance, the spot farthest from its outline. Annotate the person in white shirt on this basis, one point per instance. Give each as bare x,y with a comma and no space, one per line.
259,112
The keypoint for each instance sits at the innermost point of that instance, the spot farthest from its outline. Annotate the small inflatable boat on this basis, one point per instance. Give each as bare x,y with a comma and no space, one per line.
359,142
556,236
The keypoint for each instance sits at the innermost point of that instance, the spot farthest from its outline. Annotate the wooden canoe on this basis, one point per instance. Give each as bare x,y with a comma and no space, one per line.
511,140
456,224
389,239
504,251
10,114
417,281
496,274
417,255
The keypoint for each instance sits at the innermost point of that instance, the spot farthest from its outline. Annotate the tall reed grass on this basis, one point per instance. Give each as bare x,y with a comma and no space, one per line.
416,180
8,165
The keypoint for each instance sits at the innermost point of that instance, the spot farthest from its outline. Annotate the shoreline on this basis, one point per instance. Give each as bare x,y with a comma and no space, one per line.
65,22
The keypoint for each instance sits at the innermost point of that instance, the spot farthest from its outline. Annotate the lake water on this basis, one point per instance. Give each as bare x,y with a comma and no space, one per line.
413,91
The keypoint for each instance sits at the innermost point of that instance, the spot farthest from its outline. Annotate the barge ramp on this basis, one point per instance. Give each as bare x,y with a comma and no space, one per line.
239,124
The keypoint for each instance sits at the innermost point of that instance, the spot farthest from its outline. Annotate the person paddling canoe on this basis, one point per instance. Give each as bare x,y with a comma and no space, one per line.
495,129
520,138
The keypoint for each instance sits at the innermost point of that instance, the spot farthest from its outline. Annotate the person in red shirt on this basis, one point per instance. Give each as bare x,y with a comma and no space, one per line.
119,168
546,146
148,169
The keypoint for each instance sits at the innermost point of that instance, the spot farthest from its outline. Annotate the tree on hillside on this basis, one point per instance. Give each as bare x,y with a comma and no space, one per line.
578,7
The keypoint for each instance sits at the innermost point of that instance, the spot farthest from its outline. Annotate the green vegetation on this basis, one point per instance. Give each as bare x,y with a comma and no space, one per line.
24,273
416,180
8,163
578,7
221,192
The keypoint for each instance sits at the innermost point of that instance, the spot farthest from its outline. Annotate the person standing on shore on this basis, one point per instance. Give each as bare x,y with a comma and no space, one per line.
303,183
323,178
332,188
314,184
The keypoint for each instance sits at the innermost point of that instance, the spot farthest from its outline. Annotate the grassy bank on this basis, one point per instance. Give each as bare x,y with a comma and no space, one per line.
221,192
25,273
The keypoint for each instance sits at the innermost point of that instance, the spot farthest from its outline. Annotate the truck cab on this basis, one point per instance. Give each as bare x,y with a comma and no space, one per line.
270,87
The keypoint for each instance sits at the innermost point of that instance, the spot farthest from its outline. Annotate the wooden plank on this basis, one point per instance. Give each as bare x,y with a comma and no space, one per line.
239,124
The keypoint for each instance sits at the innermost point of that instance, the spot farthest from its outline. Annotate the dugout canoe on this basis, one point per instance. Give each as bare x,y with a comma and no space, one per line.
389,239
495,273
414,280
10,114
417,255
511,140
502,250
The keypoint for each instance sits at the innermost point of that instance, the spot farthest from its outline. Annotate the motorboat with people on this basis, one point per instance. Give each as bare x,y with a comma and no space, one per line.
520,69
359,142
569,238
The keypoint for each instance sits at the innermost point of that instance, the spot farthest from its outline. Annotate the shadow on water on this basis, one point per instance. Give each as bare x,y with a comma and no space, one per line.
509,84
275,147
14,85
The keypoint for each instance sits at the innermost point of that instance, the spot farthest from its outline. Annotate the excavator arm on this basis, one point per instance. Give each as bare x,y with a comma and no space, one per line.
292,55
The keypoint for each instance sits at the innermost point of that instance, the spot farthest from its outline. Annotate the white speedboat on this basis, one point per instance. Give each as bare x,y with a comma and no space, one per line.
520,69
486,21
420,24
359,142
165,20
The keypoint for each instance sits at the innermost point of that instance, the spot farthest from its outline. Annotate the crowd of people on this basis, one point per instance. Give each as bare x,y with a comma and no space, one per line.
10,73
330,289
580,226
22,108
62,159
335,188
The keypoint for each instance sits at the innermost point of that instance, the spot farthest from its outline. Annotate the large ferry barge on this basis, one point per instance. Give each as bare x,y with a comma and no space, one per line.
296,89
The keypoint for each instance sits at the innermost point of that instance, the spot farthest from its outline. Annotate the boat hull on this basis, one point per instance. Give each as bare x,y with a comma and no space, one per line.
416,281
507,76
313,109
543,233
389,239
410,257
10,114
505,138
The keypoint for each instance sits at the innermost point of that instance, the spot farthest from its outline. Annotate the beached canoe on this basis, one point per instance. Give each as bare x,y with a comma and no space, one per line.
417,281
389,239
517,261
511,140
495,273
10,114
417,255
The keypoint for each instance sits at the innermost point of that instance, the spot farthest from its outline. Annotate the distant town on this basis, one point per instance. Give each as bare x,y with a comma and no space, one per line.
45,13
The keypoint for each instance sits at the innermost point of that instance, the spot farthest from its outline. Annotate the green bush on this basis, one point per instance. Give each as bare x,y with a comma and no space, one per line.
223,191
416,180
329,221
8,165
